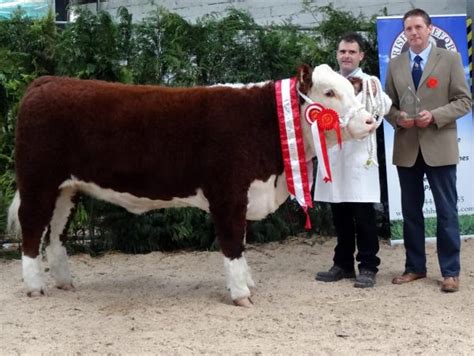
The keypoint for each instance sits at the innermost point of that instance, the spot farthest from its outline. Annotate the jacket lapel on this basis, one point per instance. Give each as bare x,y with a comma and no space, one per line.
404,73
432,61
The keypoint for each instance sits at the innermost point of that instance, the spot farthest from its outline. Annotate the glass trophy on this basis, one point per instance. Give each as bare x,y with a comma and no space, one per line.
410,103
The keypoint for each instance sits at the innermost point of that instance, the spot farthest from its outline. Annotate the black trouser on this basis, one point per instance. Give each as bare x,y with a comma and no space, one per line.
355,222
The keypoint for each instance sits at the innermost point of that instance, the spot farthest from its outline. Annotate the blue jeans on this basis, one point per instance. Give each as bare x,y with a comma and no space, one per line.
442,181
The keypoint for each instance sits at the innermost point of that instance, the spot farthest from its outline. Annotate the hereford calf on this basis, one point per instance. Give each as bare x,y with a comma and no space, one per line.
149,147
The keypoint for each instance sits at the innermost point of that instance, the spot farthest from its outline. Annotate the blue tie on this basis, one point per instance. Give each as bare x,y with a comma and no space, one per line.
416,71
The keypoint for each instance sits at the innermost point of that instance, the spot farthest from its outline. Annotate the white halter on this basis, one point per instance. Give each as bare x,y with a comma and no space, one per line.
343,120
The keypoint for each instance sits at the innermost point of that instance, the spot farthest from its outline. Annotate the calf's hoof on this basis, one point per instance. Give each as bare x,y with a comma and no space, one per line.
37,293
243,302
66,286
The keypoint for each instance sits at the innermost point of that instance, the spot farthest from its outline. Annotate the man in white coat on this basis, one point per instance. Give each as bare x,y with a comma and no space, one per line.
355,186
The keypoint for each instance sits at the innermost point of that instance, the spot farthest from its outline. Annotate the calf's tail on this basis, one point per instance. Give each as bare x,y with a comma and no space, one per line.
13,223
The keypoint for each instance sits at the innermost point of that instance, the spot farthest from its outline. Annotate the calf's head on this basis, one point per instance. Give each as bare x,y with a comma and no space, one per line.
330,89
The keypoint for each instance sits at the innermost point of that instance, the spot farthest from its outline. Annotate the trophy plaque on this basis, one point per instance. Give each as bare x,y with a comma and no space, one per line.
410,103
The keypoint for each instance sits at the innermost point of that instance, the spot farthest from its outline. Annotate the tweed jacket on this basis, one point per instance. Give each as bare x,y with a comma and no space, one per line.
444,92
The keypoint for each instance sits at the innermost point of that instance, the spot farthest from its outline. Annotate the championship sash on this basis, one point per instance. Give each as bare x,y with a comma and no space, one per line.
292,144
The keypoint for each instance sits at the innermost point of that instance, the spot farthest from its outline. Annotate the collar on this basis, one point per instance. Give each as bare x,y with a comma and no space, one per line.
423,54
355,73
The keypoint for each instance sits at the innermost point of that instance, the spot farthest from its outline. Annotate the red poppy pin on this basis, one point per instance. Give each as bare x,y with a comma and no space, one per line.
432,82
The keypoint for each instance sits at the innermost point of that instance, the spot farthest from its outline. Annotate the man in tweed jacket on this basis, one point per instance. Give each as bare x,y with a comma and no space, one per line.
427,145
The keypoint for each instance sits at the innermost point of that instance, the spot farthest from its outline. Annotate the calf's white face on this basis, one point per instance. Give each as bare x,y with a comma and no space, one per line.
333,91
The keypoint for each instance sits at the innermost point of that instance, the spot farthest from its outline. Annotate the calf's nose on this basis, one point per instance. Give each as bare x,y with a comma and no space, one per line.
371,123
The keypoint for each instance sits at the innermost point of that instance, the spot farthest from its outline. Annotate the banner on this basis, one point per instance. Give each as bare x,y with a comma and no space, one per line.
449,32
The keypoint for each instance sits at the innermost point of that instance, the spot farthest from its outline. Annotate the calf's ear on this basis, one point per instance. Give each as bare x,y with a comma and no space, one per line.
304,74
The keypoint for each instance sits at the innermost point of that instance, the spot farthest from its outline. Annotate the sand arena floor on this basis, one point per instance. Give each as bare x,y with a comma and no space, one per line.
176,303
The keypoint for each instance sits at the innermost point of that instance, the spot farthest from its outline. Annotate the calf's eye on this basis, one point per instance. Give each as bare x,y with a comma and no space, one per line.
329,93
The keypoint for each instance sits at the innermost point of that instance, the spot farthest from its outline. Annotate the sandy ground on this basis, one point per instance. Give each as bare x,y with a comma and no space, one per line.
176,303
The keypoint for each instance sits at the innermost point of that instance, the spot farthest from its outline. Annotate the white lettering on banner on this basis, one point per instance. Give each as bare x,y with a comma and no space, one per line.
439,38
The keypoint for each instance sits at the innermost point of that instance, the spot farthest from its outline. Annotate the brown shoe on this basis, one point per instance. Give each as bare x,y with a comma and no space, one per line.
408,277
450,284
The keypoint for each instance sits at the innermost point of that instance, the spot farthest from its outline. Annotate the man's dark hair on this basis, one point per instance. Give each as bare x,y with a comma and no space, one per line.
420,13
353,37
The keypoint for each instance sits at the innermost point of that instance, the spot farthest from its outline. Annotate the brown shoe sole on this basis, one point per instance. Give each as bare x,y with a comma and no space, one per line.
407,277
450,286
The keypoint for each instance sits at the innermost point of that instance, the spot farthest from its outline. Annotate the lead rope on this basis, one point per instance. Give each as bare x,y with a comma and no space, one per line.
375,105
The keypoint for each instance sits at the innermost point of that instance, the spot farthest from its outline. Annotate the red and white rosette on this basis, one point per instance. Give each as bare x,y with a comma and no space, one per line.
292,144
322,119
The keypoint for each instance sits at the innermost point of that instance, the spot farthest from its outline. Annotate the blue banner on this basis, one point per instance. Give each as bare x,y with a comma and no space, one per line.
449,32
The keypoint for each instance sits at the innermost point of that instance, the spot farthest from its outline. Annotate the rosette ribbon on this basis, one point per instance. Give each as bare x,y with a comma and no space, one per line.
322,119
292,144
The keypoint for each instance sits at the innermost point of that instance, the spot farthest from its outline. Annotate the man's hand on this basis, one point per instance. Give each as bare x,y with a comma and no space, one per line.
424,119
404,121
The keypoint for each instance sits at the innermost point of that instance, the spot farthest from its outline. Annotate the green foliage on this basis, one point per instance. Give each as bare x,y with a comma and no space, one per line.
29,43
162,49
27,51
466,224
466,227
235,49
7,191
286,221
337,22
227,48
164,230
88,48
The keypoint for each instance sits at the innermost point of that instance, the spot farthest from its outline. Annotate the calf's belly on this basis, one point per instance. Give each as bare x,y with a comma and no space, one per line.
134,204
263,197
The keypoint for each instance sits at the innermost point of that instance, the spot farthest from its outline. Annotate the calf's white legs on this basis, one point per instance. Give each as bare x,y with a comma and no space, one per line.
239,279
33,276
55,251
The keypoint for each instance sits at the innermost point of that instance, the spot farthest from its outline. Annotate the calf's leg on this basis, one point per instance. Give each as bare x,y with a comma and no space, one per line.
229,222
55,250
34,213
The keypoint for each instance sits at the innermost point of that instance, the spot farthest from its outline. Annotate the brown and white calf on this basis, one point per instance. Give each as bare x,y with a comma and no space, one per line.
149,147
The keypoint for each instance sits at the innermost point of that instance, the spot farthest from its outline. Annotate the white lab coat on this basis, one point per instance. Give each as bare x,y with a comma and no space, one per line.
352,181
